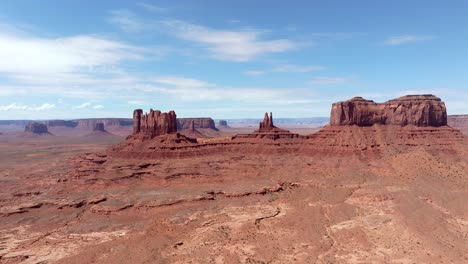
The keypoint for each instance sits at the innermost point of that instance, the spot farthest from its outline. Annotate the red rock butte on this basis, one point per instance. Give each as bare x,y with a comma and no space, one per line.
418,110
357,127
36,128
154,123
267,130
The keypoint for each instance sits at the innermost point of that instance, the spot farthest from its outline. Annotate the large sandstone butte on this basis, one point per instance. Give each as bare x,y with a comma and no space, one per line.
154,123
36,128
418,110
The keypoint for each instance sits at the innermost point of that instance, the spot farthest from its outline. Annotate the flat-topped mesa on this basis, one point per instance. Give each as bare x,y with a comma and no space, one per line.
417,110
154,123
99,127
36,128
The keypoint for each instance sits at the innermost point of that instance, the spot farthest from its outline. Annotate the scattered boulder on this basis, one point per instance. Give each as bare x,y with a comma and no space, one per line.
417,110
36,128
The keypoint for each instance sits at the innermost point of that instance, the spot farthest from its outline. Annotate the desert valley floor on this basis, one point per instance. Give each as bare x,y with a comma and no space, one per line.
402,207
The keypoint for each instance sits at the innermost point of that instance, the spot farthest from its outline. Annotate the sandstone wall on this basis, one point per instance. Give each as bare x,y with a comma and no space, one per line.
202,122
418,110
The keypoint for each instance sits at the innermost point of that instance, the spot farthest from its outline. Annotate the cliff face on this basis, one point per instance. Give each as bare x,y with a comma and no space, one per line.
108,122
418,110
99,127
64,123
203,122
154,123
36,128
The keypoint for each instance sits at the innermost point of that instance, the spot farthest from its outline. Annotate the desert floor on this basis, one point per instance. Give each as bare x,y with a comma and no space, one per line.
404,207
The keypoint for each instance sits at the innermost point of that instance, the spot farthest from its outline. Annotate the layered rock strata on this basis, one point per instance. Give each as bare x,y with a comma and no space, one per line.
418,110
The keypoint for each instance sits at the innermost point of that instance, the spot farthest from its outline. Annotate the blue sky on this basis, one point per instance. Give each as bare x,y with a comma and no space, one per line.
226,59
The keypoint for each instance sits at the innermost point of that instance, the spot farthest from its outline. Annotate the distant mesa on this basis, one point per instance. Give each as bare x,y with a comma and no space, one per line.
223,124
192,132
61,123
99,131
36,128
99,127
417,110
198,123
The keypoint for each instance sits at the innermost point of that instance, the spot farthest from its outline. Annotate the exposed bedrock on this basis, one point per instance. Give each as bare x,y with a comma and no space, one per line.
268,130
154,123
36,128
418,110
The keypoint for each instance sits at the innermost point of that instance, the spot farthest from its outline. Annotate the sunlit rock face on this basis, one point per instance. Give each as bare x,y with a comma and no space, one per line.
418,110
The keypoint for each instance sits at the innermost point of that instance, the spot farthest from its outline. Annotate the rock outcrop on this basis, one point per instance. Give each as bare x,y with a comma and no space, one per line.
223,124
89,124
154,123
36,128
417,110
267,123
202,122
99,127
267,130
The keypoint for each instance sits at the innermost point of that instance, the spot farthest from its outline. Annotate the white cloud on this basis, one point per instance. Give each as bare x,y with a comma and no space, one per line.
15,106
82,106
297,68
20,54
238,46
254,73
126,20
328,80
151,7
98,106
404,39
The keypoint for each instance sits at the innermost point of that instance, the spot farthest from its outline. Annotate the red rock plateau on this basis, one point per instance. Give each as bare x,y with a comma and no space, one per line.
384,183
459,122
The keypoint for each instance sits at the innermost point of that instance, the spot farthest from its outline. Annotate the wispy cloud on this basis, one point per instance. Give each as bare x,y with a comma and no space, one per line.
22,54
285,68
15,106
254,72
83,105
405,39
230,45
126,20
297,68
151,7
328,80
98,107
